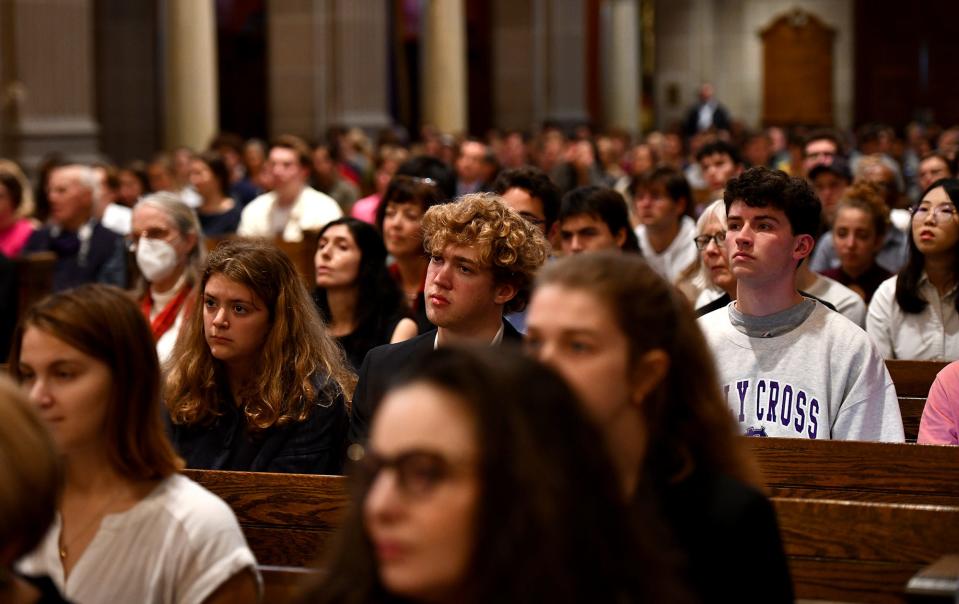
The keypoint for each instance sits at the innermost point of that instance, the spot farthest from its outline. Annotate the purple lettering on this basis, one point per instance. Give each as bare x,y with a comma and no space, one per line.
760,388
773,401
742,387
800,423
786,408
813,418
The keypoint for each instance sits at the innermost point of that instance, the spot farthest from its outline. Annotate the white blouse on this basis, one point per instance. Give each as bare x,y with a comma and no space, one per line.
931,335
177,545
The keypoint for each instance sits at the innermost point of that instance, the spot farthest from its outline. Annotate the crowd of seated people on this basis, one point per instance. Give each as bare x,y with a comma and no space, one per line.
469,343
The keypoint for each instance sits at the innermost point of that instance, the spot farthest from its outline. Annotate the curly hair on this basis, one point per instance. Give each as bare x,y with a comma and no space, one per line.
512,247
864,195
296,349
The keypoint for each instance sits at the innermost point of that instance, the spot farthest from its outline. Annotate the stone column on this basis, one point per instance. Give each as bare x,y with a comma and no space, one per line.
513,64
443,65
362,41
565,62
47,79
621,67
192,117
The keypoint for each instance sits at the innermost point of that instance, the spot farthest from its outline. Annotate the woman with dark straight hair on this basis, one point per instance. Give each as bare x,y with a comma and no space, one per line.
915,315
629,345
127,519
256,383
360,302
478,488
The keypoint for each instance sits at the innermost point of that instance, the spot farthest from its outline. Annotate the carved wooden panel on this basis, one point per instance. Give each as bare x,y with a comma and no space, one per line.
797,70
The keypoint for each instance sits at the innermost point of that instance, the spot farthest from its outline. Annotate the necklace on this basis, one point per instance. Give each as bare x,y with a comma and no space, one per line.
63,547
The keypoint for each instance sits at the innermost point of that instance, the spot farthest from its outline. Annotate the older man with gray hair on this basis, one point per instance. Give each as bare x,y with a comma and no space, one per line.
87,252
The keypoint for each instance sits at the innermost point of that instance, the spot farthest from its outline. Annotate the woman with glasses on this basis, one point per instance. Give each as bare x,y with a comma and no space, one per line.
168,244
477,488
255,382
915,315
714,279
398,218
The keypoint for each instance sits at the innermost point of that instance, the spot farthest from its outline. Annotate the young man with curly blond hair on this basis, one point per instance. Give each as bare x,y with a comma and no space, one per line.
483,257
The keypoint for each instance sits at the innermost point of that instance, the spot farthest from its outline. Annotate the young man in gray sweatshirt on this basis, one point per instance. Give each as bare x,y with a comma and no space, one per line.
789,366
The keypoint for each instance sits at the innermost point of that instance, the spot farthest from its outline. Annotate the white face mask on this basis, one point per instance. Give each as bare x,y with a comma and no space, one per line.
156,259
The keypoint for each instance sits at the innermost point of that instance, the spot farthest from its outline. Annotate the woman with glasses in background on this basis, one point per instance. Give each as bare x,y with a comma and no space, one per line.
915,315
477,488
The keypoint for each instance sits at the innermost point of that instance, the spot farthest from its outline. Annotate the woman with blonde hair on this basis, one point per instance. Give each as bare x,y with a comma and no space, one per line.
170,255
255,382
127,519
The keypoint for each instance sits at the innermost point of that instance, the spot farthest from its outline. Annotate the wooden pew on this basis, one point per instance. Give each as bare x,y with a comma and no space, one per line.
34,278
938,582
912,380
852,551
288,520
858,471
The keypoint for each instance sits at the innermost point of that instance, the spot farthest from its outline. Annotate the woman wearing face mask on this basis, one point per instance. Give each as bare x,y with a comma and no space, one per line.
477,488
170,255
859,228
361,304
915,315
255,382
628,343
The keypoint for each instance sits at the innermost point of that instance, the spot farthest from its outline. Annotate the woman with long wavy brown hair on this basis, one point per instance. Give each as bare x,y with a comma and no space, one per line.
255,381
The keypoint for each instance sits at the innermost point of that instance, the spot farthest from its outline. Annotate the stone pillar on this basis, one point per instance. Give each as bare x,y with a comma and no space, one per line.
362,41
622,68
513,64
190,79
47,80
565,62
443,65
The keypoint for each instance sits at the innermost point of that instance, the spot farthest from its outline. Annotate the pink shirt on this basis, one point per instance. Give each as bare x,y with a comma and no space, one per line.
14,238
365,209
940,416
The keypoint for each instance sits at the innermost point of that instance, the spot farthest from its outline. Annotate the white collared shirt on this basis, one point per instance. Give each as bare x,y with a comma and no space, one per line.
931,335
677,257
497,339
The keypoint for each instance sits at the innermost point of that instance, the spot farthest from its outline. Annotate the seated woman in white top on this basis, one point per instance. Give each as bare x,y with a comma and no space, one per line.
915,315
170,255
129,527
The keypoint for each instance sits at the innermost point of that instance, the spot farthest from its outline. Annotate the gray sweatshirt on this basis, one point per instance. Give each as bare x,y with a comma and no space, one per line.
806,372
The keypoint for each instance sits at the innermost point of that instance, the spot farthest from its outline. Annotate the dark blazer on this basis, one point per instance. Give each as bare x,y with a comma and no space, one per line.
379,367
104,261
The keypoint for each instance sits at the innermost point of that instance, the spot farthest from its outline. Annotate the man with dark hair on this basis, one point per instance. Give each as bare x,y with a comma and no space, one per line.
292,206
662,202
820,147
706,114
593,218
327,178
529,191
471,167
719,161
789,366
482,261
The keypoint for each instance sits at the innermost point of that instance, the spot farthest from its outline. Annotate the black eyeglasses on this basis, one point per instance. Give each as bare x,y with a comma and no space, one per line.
703,240
418,472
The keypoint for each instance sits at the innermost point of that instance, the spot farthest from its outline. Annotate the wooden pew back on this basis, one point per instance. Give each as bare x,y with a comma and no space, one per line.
858,471
862,552
288,519
912,380
301,253
34,278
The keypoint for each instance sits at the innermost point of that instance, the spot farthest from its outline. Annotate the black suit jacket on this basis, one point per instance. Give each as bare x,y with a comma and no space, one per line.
382,363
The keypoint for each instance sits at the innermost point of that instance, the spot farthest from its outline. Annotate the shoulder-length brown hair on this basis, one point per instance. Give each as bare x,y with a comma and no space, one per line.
689,425
296,351
105,323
